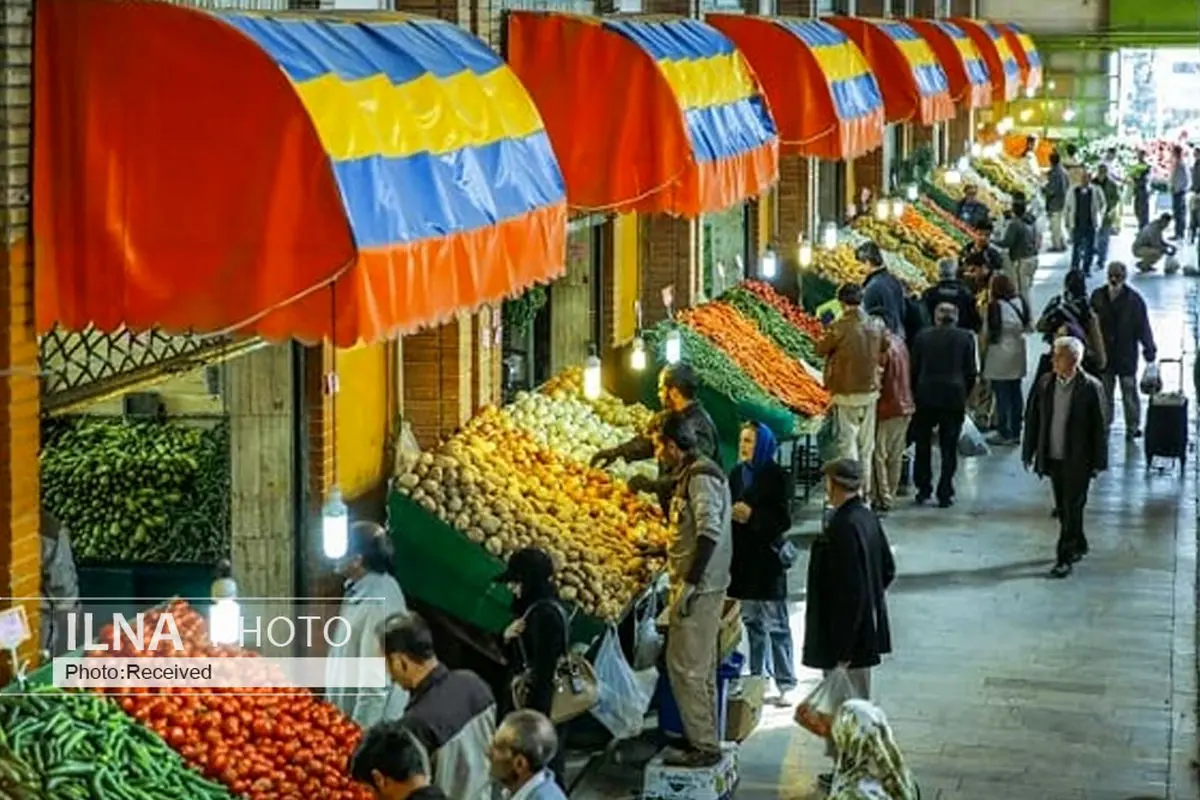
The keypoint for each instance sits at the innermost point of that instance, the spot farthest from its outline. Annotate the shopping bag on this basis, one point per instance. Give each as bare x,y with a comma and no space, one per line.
816,712
1151,382
970,441
622,699
647,638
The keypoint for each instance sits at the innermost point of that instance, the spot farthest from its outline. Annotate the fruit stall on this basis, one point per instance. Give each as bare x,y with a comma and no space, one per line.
155,743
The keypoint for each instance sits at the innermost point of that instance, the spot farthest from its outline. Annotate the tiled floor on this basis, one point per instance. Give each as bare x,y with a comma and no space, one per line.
1005,684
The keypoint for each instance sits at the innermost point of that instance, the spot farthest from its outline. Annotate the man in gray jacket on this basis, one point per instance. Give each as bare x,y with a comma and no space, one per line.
698,562
60,584
1055,192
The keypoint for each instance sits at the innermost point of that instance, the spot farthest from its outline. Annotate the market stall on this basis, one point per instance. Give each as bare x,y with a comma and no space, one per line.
1002,66
967,75
1025,51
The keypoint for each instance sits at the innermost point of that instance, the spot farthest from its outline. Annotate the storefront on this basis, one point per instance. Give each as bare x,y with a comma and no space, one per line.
967,76
1002,68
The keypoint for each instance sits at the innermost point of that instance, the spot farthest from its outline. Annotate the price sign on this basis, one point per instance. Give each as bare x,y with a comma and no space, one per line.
668,296
331,383
14,628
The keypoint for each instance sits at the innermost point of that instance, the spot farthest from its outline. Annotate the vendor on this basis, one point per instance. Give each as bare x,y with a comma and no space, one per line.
970,210
677,387
699,567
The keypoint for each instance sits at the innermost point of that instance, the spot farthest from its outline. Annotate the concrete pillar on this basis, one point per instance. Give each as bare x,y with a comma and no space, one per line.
20,545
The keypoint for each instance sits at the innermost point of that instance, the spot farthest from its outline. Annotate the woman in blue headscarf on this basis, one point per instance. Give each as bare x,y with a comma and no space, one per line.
762,494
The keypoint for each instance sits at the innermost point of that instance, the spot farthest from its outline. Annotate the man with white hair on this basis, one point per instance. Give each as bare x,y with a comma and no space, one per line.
950,289
1066,438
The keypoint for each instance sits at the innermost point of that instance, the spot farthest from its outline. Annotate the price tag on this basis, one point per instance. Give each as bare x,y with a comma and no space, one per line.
331,383
668,296
637,313
14,628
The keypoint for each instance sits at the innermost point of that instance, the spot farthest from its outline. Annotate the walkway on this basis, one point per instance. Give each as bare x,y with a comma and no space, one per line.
1008,685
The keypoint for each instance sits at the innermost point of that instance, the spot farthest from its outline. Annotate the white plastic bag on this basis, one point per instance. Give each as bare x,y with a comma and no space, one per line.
622,699
647,638
970,441
816,712
1151,382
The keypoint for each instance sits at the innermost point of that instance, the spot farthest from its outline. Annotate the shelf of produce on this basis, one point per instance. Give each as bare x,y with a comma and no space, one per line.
440,566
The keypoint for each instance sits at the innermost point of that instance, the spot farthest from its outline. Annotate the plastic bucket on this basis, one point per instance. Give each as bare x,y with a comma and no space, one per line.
670,723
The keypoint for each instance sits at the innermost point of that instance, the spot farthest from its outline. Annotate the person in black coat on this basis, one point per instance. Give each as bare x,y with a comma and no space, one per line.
1125,326
849,570
538,636
762,492
950,289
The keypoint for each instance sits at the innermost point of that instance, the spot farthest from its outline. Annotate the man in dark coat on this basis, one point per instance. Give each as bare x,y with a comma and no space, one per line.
60,585
1066,439
883,294
1124,325
677,387
950,289
849,570
943,374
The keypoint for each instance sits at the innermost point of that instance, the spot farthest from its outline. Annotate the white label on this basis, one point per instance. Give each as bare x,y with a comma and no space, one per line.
14,627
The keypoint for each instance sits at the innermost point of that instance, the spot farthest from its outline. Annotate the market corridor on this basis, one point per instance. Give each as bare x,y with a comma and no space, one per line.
1005,684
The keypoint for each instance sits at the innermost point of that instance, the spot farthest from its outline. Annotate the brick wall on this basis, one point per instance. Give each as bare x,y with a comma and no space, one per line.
437,379
868,172
667,257
20,546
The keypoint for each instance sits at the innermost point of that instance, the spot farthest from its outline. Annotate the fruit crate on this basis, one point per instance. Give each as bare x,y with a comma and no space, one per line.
439,565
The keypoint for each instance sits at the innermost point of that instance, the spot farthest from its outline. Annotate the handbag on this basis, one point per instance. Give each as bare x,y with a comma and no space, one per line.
786,551
576,689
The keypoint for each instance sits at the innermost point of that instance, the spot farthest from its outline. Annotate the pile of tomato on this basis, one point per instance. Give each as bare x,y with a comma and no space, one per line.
264,744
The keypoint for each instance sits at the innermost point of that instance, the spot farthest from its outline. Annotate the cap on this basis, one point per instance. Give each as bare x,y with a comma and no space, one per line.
527,565
845,472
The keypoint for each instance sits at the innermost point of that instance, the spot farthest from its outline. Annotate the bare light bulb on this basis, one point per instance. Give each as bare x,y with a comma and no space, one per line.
591,374
637,355
804,254
335,526
769,265
897,208
673,346
829,236
881,209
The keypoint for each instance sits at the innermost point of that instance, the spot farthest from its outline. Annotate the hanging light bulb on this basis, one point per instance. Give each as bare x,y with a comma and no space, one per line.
335,525
1026,114
897,208
1068,114
769,266
637,354
1029,93
829,235
953,177
804,253
964,163
591,374
911,192
881,209
1005,125
976,150
673,346
225,616
1052,86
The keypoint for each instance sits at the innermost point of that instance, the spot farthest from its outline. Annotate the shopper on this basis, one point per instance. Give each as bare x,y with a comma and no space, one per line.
452,714
538,637
390,760
1066,439
371,596
1084,213
970,210
1140,176
1110,224
762,496
1055,193
852,347
1112,164
1074,167
677,388
869,764
850,568
1070,313
1151,245
882,290
1125,325
1020,241
698,564
1004,362
944,372
951,290
524,746
1179,187
892,414
60,585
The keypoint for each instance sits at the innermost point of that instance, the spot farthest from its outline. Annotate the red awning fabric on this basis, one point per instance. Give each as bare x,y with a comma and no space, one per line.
646,113
914,86
1001,63
1026,52
291,176
824,98
965,68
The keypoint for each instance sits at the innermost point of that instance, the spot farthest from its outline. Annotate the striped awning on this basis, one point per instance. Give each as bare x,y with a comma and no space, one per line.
913,84
997,55
1022,46
960,58
821,90
678,124
295,176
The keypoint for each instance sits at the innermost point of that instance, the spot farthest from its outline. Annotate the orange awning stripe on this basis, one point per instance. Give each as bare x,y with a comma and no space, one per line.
913,83
679,124
1026,53
822,92
295,176
965,68
1001,63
